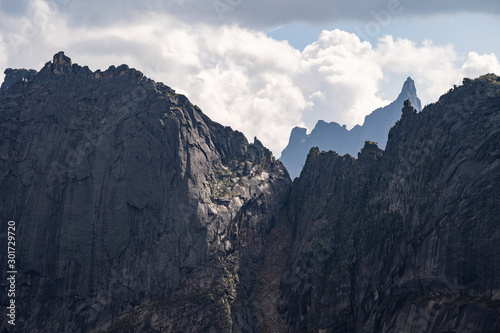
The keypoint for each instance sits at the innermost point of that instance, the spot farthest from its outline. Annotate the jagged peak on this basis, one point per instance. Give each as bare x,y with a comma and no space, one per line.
60,59
409,91
408,109
62,64
370,150
409,86
323,125
13,76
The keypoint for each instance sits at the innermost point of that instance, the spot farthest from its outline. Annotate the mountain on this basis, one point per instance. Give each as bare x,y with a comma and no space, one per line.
134,212
406,239
332,136
126,198
13,76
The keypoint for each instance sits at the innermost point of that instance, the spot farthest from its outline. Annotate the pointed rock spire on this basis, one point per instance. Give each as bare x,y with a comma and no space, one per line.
409,86
410,92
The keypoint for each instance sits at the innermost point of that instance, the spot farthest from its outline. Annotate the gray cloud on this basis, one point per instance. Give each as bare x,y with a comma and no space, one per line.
14,7
260,14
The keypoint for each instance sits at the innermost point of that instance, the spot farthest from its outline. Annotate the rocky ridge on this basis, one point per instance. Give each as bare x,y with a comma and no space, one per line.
333,136
406,239
13,76
129,200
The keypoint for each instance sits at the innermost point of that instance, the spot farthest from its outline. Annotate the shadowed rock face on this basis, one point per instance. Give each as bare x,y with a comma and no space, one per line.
15,76
405,240
127,197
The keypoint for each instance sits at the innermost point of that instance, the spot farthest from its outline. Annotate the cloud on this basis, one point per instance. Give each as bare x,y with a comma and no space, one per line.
432,66
341,75
14,7
238,76
480,64
258,14
3,53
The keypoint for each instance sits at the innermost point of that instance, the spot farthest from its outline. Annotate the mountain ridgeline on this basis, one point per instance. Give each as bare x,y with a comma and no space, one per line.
135,212
128,199
332,136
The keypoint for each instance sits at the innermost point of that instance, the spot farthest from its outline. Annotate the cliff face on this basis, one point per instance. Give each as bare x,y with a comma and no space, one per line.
136,213
13,76
129,200
332,136
407,239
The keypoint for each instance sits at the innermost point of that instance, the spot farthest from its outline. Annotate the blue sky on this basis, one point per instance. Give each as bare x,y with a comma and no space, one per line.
330,59
467,32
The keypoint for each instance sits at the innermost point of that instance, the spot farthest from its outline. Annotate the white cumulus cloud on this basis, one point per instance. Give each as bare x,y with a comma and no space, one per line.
342,76
477,64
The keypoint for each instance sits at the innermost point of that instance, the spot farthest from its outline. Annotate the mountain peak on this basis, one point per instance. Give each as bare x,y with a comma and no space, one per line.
61,64
13,76
409,86
60,59
333,136
409,91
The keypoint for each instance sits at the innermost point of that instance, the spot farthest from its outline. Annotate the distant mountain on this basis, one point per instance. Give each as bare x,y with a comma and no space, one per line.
332,136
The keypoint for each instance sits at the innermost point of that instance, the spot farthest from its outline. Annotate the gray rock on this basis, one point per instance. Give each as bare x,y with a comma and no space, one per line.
14,76
134,210
405,240
137,213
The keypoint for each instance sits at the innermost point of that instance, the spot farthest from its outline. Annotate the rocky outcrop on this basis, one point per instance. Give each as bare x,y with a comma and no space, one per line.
13,76
406,239
134,211
333,136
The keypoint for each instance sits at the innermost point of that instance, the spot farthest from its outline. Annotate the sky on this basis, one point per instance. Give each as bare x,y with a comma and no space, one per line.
264,67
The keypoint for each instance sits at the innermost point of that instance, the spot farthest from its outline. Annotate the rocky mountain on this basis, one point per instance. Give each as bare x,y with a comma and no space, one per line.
406,239
333,136
135,212
13,76
128,200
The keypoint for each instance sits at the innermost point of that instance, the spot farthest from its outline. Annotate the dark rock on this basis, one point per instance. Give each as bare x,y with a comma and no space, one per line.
405,240
137,213
133,209
13,76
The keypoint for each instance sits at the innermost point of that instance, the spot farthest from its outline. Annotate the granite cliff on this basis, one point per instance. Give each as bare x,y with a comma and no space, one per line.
137,213
406,239
128,199
333,136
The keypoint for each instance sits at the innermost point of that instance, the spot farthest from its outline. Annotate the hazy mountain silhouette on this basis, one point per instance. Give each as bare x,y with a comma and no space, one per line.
332,136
